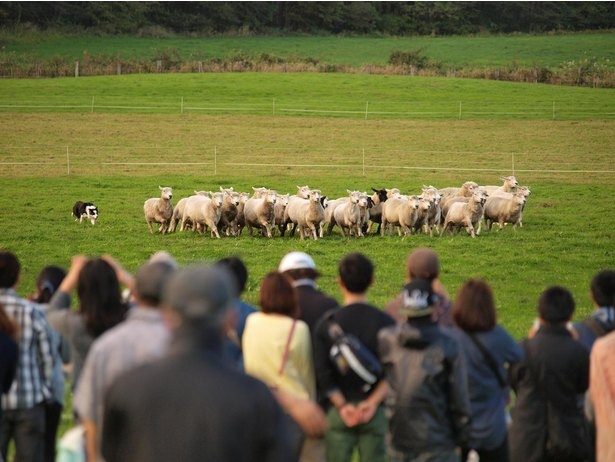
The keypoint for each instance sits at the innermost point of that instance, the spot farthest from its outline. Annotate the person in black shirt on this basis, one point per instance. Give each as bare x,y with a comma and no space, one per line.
355,416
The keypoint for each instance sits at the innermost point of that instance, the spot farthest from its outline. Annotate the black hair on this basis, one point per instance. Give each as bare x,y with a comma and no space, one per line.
48,281
603,288
237,267
356,272
556,305
9,269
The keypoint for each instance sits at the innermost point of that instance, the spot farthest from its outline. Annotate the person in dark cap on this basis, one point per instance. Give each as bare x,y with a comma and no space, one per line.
424,363
191,405
424,263
141,338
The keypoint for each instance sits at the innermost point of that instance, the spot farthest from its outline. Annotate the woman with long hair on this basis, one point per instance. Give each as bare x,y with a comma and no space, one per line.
488,350
100,305
277,347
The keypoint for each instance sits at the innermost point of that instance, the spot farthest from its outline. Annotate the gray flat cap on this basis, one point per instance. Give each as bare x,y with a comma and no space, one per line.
150,280
201,293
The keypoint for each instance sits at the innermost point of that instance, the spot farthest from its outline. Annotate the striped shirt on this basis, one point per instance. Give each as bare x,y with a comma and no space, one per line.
32,384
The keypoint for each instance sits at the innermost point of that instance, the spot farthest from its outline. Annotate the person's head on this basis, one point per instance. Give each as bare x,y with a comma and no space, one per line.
356,273
236,267
474,307
200,299
418,299
48,281
9,269
278,296
298,265
603,288
100,297
556,305
149,282
423,263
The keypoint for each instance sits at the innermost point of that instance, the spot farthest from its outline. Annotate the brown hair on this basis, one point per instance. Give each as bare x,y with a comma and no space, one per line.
7,325
474,308
277,295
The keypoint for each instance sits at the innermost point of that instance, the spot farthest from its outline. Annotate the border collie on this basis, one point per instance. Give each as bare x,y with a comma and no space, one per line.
85,210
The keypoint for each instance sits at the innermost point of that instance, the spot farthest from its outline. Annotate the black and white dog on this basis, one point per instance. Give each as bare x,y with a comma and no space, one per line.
85,210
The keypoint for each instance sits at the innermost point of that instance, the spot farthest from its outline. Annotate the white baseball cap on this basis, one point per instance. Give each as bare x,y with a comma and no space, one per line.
296,260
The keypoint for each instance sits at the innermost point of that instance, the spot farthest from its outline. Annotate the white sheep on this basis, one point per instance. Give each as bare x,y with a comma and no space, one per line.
509,186
524,190
434,216
203,212
228,213
178,210
260,212
505,210
422,213
465,191
279,210
302,194
347,214
399,212
240,221
307,214
468,214
159,210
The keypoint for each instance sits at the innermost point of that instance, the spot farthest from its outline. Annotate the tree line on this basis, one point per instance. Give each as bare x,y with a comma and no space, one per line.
372,18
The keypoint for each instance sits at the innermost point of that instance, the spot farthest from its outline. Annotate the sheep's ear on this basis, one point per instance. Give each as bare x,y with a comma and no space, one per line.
348,191
160,187
221,189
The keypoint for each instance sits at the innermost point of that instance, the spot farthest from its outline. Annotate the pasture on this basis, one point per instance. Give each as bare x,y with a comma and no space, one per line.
51,157
549,50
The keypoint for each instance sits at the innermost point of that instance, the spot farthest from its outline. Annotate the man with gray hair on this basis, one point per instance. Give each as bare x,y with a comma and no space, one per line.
141,338
190,405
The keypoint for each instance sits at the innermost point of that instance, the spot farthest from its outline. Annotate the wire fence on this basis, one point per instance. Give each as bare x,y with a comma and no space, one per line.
78,160
486,108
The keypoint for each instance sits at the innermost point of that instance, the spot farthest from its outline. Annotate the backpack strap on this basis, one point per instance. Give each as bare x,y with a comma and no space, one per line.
489,359
287,347
595,327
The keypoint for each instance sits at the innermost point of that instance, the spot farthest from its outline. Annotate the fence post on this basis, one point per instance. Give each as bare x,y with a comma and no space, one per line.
366,107
92,110
159,66
76,68
182,106
215,160
273,107
553,110
67,162
363,161
200,65
459,110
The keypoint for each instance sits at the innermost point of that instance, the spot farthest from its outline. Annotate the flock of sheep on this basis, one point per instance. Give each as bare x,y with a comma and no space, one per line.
228,212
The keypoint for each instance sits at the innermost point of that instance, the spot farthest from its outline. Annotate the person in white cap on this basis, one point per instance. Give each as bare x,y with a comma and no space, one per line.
313,303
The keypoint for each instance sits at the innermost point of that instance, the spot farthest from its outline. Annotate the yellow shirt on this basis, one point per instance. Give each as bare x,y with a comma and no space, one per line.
264,339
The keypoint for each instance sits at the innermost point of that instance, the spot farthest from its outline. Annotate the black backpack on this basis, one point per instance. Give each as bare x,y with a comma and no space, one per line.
350,356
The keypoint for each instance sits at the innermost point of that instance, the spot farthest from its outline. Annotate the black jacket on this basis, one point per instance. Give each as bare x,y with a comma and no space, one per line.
547,383
428,402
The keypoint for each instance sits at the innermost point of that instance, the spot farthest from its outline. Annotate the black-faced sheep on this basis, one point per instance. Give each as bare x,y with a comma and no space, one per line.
159,210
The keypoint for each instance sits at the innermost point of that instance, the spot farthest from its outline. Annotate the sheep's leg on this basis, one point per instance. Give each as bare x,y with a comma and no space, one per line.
321,225
330,227
313,232
342,230
444,228
292,232
359,230
149,225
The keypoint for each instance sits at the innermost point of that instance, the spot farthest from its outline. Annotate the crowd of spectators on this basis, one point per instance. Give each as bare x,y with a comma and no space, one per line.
172,364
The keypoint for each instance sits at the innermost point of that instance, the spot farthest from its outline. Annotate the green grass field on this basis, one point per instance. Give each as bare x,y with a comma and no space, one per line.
113,140
118,157
461,52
